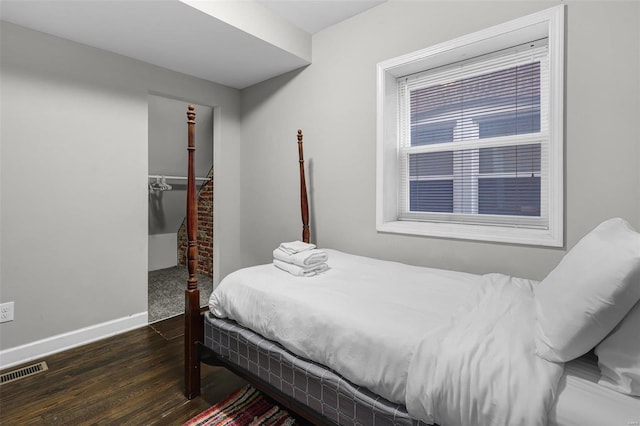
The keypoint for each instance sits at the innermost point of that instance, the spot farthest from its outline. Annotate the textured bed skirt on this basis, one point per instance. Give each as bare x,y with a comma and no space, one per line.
309,383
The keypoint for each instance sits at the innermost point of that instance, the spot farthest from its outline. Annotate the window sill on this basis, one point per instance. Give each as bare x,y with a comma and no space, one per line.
524,236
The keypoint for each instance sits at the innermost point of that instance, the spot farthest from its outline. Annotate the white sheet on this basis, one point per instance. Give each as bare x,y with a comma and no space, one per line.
582,402
375,323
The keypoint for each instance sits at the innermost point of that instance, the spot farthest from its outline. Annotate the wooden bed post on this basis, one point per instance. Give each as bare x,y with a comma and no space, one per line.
304,205
193,327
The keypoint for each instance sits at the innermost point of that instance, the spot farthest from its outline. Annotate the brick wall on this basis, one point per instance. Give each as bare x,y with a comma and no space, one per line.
205,231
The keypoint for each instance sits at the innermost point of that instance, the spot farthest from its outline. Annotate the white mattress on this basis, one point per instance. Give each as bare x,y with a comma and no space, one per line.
582,402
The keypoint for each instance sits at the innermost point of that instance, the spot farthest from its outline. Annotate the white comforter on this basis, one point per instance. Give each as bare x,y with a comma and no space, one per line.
481,369
436,341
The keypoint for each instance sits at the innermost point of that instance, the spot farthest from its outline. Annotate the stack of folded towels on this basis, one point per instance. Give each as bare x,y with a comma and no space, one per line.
300,259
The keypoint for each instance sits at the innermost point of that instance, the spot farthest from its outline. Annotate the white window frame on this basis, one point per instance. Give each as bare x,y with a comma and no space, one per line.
548,24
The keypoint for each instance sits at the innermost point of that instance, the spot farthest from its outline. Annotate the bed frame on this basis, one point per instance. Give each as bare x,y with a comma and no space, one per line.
194,350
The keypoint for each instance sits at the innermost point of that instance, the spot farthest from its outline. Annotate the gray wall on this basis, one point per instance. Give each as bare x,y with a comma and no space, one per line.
333,101
73,181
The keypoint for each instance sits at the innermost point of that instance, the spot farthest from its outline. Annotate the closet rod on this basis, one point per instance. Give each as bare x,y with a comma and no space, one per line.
175,177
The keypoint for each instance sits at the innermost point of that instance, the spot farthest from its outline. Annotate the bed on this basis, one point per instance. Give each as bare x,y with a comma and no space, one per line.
373,342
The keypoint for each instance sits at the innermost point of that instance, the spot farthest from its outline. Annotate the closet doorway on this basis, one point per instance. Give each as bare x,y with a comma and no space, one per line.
167,145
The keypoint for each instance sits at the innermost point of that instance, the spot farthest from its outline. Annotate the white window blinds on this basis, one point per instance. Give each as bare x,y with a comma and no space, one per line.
474,140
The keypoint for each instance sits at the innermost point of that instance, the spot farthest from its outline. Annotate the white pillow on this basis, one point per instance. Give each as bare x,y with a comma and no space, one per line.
589,292
619,356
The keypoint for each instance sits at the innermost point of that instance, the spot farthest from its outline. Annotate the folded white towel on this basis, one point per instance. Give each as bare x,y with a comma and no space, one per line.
299,271
294,247
304,258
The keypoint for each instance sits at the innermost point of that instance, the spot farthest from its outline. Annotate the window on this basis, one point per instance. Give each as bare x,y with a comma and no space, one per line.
470,136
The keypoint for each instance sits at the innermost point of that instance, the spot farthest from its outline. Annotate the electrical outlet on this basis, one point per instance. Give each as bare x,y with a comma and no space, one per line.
6,312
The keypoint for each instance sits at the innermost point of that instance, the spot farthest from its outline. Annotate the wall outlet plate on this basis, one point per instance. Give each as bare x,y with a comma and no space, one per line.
6,312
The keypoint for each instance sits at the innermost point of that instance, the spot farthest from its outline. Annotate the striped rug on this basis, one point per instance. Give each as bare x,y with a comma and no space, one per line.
245,407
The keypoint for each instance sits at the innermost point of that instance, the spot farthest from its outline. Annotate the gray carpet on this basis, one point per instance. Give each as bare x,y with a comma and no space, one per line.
166,292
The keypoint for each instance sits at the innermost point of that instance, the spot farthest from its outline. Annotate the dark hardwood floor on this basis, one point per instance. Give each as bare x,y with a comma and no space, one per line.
135,378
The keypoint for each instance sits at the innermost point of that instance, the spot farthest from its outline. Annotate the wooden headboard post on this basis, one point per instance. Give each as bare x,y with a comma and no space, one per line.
304,204
193,327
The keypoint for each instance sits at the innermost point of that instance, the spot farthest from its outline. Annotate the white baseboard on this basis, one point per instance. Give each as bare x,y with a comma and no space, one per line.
62,342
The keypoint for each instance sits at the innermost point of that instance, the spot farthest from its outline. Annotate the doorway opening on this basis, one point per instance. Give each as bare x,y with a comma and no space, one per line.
167,272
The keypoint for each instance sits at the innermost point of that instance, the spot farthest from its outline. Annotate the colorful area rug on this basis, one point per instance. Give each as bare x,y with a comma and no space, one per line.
245,407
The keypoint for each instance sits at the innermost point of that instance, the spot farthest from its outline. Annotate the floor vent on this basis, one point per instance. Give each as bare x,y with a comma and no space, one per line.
20,373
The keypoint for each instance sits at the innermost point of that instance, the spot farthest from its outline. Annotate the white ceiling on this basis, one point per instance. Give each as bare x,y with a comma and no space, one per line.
183,38
315,15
